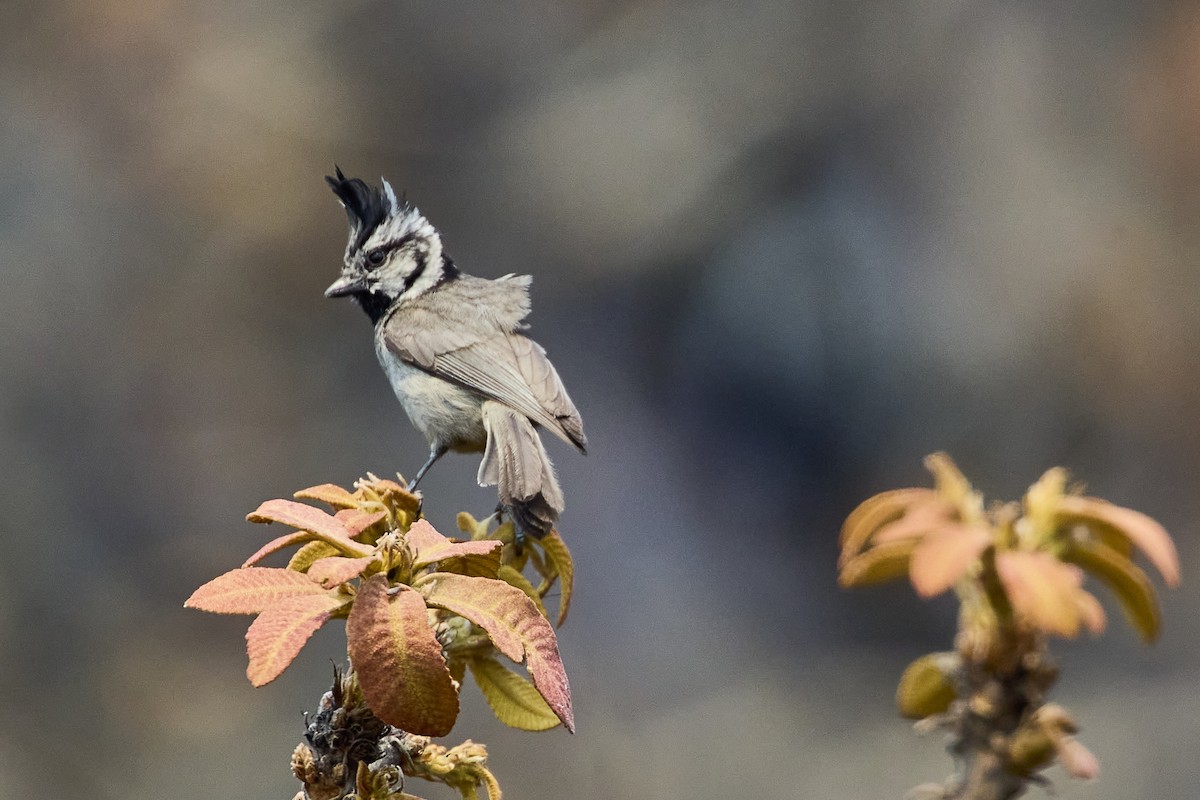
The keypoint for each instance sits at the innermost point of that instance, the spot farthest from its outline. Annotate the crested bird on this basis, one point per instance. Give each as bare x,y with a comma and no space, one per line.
456,352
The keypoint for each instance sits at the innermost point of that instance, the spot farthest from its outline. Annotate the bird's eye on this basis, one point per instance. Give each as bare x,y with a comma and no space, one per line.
376,257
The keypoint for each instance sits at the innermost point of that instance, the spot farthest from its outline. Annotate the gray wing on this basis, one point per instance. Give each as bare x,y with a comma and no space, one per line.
487,353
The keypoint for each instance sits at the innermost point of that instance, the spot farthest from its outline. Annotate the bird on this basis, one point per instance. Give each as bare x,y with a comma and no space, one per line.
455,349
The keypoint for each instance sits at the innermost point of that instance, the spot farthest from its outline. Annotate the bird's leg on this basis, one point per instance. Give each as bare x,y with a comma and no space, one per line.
436,451
518,534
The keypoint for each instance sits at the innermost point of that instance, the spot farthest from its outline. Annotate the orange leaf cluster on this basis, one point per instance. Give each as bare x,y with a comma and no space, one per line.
420,608
1017,565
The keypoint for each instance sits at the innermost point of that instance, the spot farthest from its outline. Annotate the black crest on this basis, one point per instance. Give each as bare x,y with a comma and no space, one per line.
366,206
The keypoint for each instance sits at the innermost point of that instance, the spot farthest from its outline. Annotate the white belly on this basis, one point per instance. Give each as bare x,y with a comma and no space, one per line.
443,412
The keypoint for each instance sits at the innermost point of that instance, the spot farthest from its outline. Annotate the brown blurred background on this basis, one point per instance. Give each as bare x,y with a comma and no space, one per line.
782,251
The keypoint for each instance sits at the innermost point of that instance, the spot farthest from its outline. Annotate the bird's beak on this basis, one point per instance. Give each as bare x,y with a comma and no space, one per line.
348,283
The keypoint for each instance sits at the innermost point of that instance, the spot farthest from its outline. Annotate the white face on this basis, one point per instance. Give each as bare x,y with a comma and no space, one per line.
401,257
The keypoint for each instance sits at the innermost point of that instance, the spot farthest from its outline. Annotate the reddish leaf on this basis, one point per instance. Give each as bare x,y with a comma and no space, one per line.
944,556
399,661
275,545
330,572
356,520
280,631
431,546
1146,534
324,526
514,625
329,493
514,578
251,590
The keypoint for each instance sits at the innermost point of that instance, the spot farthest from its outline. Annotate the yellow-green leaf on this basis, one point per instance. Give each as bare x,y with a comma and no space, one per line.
329,493
873,513
878,565
310,553
928,685
513,699
1135,527
474,565
560,558
1129,583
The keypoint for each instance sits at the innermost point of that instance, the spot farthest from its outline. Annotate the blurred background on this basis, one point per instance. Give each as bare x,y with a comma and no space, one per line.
782,251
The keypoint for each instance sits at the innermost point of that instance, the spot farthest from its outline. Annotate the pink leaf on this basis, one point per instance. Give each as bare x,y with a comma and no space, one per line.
308,518
330,572
277,544
431,546
515,626
280,631
944,556
251,590
356,520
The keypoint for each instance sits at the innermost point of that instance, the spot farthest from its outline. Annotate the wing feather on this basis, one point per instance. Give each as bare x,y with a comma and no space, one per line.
474,339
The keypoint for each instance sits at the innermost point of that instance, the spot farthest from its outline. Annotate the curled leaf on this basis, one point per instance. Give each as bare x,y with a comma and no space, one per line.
1137,528
298,515
873,513
328,493
1129,583
922,519
277,544
309,554
356,520
431,546
398,659
560,559
878,565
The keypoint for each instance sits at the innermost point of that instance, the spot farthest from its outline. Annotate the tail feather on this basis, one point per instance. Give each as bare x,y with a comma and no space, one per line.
515,461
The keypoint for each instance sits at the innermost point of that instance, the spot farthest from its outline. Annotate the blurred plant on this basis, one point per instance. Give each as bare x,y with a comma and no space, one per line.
421,610
1018,572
